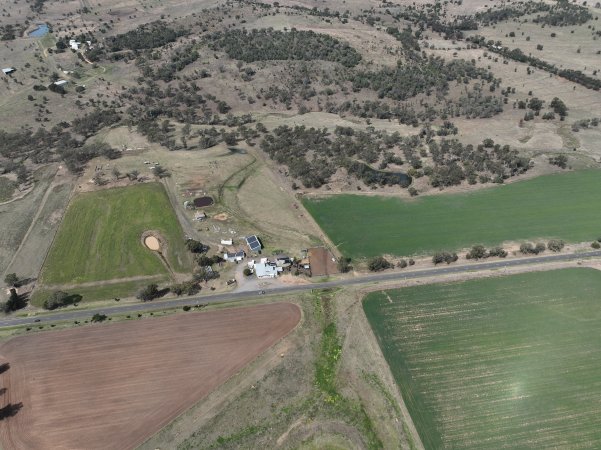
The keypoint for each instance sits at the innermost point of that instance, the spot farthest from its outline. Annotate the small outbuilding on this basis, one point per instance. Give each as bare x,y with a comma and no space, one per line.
8,70
227,242
234,257
60,82
253,243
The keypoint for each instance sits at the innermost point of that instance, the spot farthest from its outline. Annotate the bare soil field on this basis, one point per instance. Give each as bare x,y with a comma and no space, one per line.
112,386
322,262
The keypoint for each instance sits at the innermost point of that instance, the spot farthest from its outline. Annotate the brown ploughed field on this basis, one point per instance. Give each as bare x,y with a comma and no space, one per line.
113,386
321,262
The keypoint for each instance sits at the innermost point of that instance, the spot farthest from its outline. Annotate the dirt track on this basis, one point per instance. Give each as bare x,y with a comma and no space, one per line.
112,386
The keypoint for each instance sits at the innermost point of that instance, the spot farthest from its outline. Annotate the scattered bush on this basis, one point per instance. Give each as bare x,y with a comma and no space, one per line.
596,245
530,249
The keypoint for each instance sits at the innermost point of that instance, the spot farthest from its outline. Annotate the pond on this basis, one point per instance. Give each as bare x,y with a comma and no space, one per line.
40,31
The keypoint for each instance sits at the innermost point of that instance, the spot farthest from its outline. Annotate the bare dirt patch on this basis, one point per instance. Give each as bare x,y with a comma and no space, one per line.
106,386
322,261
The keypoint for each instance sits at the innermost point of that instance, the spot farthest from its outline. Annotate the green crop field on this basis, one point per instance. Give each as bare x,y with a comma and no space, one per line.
509,362
555,206
100,237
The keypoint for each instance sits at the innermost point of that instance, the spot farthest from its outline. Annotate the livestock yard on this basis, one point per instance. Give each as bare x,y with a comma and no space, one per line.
553,206
508,362
101,237
113,386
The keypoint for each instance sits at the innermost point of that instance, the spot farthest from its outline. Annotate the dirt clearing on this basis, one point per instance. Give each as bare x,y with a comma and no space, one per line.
113,386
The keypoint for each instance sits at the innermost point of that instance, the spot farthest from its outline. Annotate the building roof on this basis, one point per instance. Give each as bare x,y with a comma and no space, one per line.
60,82
265,270
253,243
8,70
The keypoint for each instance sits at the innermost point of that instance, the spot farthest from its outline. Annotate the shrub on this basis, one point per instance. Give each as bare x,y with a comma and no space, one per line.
596,245
186,308
411,262
378,263
99,317
402,263
555,245
247,272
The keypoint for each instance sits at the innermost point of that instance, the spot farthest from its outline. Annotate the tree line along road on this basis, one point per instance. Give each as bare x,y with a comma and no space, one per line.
233,296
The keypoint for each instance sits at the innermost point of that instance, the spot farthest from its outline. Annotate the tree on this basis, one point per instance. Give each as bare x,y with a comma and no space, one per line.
149,293
196,246
133,175
446,257
402,264
99,317
14,302
555,245
344,264
596,245
378,263
11,279
56,300
477,252
160,172
116,173
247,272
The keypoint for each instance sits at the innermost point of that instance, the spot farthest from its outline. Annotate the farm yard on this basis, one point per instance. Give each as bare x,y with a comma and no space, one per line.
552,206
101,237
509,362
113,386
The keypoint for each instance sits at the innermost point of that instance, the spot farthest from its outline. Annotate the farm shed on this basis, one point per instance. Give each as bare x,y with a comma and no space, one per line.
234,257
60,82
8,70
266,270
227,241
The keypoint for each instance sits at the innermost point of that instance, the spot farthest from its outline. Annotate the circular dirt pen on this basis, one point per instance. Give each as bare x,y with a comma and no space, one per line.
152,243
203,201
152,240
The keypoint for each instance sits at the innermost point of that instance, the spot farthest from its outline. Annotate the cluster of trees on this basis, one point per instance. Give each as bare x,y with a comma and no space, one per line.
197,247
344,264
379,263
446,257
480,252
404,263
149,293
560,161
268,44
313,155
455,162
14,302
10,32
421,75
190,287
59,299
146,36
585,123
528,248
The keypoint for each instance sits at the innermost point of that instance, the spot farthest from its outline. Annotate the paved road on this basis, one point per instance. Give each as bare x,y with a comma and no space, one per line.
73,314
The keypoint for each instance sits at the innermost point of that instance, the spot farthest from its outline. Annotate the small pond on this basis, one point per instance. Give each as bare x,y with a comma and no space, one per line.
41,30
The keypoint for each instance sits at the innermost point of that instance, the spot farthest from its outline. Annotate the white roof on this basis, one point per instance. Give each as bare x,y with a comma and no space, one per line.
60,82
8,70
265,270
